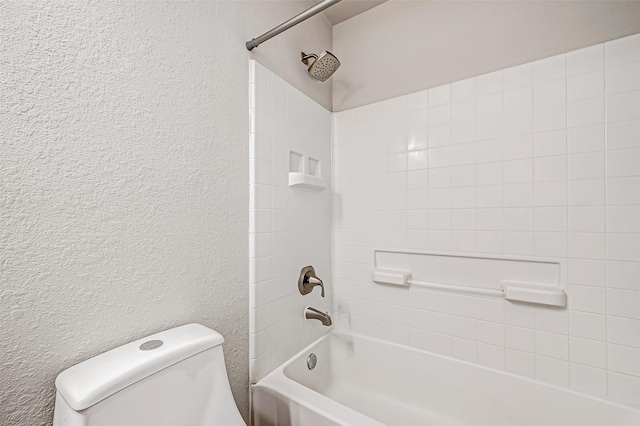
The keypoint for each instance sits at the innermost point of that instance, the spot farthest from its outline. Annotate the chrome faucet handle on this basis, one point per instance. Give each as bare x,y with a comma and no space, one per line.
308,280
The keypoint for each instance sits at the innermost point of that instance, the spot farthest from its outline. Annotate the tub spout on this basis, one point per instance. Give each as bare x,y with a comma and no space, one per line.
313,313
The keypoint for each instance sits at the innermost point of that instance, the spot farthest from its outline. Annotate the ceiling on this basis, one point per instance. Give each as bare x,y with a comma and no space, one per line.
347,9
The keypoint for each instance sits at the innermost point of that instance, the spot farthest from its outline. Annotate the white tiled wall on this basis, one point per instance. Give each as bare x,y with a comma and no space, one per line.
542,159
290,227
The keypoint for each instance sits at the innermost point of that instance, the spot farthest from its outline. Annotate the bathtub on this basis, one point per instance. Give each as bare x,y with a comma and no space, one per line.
359,381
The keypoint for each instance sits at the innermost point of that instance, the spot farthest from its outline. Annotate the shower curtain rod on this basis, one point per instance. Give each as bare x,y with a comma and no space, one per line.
255,42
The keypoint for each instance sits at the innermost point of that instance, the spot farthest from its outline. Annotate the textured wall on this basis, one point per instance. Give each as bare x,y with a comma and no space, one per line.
123,181
401,47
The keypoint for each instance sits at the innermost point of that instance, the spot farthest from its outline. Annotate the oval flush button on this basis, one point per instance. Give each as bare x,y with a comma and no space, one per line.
150,345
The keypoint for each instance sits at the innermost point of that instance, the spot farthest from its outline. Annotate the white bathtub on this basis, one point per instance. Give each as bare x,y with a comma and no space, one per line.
360,381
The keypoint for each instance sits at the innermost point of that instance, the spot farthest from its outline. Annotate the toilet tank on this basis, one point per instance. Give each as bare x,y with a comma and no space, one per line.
173,378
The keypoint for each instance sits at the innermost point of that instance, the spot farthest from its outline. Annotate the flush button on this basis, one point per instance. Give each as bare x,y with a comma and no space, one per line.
151,345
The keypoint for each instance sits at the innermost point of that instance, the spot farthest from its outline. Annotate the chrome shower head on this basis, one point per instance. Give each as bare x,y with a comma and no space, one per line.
323,66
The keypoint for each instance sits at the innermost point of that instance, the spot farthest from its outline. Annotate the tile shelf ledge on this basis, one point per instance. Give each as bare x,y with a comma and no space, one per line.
303,180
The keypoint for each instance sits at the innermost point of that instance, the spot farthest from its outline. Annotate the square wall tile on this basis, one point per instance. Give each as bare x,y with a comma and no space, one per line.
623,162
439,95
522,339
550,169
623,78
587,272
622,50
465,349
552,345
518,243
624,388
517,147
519,315
586,86
587,299
493,356
623,303
552,371
585,60
624,331
587,192
588,325
586,139
587,166
550,219
463,90
623,275
588,379
550,92
548,194
624,359
587,219
585,112
623,106
552,117
549,69
518,76
623,134
522,363
623,191
550,143
624,247
488,83
587,245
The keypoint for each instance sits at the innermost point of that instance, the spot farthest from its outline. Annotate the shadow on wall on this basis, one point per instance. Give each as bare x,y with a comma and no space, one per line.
343,90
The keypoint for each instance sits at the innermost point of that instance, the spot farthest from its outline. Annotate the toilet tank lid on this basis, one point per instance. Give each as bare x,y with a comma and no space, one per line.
97,378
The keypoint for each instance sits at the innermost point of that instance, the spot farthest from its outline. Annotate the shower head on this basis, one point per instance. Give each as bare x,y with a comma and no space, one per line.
323,66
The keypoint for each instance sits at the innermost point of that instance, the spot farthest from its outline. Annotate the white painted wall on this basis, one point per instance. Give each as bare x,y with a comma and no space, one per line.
537,161
290,226
401,47
124,178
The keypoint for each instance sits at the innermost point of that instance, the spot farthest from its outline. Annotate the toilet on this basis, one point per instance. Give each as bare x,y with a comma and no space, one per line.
173,378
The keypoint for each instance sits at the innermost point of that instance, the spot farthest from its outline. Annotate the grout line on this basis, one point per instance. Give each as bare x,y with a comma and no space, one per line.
567,232
606,254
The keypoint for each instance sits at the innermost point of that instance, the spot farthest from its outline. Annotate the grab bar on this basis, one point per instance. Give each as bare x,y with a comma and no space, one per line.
458,288
514,291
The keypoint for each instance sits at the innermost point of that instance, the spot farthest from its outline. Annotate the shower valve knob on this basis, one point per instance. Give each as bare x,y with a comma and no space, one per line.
308,280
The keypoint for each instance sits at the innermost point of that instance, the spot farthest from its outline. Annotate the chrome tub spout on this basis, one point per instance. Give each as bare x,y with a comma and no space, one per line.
313,313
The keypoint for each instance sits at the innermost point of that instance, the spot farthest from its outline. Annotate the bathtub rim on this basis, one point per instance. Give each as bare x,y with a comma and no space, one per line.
278,381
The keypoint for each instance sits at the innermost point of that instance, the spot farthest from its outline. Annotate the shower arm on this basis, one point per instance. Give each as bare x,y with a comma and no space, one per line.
305,57
255,42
